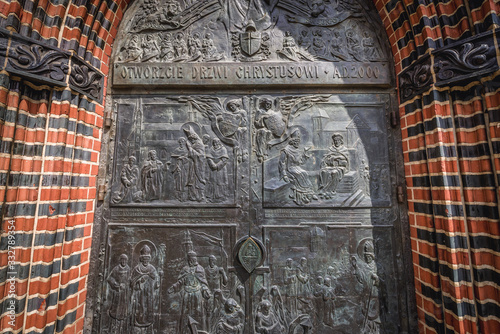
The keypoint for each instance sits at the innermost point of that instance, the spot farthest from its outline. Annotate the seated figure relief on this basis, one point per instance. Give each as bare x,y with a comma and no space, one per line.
291,160
333,167
129,177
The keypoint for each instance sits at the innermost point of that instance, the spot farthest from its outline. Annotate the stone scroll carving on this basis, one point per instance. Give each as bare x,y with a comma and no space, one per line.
85,79
176,31
39,61
44,63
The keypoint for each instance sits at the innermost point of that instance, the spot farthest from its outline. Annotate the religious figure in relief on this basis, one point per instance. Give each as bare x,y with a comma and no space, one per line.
290,281
133,50
318,292
166,48
180,47
193,286
182,165
319,8
303,284
329,306
144,284
337,46
290,162
333,167
209,50
216,279
364,172
196,180
194,47
232,318
291,51
152,177
234,121
217,159
268,123
128,177
216,276
371,52
151,50
118,281
237,14
266,321
366,274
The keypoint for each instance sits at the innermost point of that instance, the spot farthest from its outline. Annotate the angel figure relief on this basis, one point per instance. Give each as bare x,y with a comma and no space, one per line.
228,120
273,125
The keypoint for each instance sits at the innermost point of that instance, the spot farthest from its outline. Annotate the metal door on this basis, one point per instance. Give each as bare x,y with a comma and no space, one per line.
252,173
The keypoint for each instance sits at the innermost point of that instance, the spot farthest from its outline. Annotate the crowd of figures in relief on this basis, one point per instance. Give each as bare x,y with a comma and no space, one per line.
190,152
207,299
235,30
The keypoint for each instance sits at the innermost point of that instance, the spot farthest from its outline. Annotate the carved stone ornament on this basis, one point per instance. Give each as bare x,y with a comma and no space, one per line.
86,79
39,61
33,59
474,57
250,255
415,80
470,58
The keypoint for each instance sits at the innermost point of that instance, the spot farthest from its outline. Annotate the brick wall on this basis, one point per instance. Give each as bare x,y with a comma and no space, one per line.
49,161
450,144
50,148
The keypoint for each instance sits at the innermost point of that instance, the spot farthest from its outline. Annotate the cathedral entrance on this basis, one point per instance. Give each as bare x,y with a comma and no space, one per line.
254,172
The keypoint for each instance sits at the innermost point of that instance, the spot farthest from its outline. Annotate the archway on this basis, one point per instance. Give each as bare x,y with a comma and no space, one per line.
253,172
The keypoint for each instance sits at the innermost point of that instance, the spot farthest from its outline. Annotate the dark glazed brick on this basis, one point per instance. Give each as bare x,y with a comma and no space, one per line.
459,309
431,293
68,319
69,290
434,324
72,261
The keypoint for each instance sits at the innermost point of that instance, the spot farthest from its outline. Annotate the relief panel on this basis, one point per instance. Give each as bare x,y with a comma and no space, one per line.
174,31
322,151
305,150
179,150
154,288
328,279
235,41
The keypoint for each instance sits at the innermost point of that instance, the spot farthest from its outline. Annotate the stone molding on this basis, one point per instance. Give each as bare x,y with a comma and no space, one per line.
47,64
466,59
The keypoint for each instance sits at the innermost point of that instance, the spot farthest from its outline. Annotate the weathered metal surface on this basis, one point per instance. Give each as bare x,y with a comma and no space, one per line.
273,166
310,150
268,210
259,44
261,74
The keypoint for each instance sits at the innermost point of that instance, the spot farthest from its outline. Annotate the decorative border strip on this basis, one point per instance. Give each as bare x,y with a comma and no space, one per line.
44,63
469,58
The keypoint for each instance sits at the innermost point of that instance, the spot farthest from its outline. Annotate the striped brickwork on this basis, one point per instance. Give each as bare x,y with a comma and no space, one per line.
50,144
450,145
48,165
